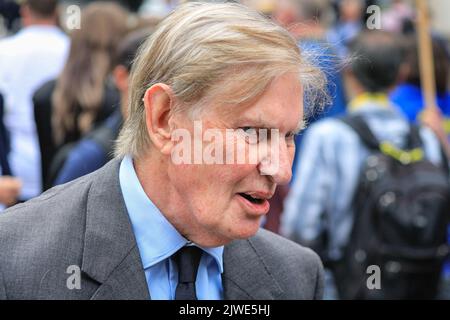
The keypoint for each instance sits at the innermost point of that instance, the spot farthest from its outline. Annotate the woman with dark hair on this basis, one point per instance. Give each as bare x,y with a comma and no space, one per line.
83,95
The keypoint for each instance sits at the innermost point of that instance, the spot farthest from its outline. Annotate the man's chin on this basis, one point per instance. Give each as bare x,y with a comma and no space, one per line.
247,232
239,230
236,235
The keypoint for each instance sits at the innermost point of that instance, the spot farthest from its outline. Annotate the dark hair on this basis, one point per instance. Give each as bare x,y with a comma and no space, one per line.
376,57
128,47
42,8
79,90
441,63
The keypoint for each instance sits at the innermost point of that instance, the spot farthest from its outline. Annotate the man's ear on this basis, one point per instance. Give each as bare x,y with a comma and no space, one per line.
158,101
120,74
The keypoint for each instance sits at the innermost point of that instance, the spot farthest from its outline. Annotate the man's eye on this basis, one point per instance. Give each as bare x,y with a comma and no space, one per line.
249,130
250,133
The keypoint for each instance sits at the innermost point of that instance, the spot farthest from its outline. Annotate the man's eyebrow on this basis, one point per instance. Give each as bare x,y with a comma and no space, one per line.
260,124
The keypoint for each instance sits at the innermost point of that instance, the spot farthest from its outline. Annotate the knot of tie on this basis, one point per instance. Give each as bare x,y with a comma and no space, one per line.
187,260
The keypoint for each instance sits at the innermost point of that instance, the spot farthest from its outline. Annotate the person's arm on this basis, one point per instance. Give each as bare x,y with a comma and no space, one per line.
432,118
9,190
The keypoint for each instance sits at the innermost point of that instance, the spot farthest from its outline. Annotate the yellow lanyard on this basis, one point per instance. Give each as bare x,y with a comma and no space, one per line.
447,125
382,100
379,99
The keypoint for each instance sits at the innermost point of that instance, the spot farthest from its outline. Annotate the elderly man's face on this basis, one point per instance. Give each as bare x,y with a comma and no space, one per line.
227,201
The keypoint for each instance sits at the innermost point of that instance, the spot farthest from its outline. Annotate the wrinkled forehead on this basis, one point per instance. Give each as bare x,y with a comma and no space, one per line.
279,105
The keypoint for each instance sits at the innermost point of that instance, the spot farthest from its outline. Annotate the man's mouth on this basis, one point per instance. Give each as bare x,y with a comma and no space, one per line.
255,200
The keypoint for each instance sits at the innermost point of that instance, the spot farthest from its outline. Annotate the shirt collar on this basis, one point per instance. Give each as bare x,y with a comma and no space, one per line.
369,101
36,28
156,237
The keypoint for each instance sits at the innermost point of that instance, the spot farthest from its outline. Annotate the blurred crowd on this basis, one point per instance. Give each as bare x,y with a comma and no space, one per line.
64,95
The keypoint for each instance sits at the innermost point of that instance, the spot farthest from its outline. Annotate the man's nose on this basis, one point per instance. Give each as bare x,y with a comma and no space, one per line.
277,163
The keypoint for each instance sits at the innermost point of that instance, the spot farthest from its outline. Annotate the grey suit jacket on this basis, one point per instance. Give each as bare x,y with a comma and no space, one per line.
83,228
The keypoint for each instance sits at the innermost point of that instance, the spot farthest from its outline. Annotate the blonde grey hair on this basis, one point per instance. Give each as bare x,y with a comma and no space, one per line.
224,52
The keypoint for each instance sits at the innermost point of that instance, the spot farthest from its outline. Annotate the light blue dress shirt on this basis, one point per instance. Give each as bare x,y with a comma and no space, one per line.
158,240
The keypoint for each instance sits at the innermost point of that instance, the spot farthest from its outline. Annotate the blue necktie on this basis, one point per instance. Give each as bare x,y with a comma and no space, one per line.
187,260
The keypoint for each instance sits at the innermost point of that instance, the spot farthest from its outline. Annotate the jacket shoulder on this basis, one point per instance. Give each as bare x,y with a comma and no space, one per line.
42,236
284,250
293,266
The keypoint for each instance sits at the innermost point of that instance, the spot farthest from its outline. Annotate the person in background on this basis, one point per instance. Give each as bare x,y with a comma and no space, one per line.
332,154
83,95
409,99
96,149
157,8
348,25
408,95
305,20
9,186
132,5
398,17
10,12
27,60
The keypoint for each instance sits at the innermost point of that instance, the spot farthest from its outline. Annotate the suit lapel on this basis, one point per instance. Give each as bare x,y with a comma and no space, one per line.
245,274
110,254
127,281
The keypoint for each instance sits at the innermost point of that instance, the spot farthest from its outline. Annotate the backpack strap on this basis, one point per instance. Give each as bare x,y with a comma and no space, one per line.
445,162
357,123
414,140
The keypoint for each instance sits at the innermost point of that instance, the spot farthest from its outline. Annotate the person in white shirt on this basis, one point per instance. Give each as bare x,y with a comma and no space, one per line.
28,59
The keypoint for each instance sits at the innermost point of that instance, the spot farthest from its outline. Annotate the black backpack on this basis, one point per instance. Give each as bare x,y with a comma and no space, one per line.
401,211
